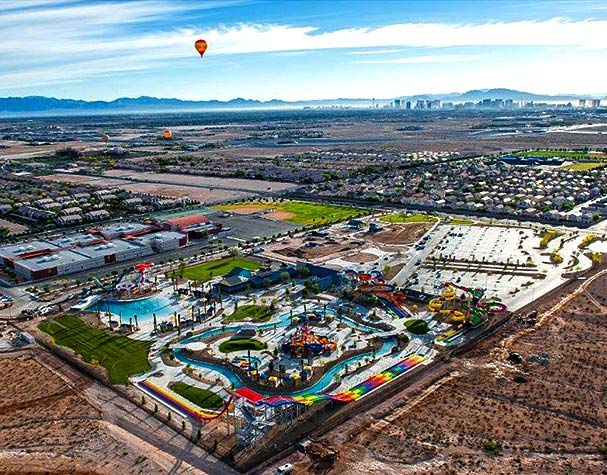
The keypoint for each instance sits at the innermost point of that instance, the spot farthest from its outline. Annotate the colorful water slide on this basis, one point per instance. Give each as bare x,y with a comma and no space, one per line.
497,307
374,289
112,287
478,293
185,408
348,395
452,335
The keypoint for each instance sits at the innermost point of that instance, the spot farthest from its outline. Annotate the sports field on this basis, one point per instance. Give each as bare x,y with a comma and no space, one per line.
408,218
300,212
208,270
120,355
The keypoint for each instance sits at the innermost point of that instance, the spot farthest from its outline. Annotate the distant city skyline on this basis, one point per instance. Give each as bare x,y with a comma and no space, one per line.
100,50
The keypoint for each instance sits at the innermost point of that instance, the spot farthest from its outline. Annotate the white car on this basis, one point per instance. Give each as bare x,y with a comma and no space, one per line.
285,469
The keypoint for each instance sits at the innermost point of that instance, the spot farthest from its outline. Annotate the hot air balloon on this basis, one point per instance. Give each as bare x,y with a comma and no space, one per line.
105,138
201,47
167,134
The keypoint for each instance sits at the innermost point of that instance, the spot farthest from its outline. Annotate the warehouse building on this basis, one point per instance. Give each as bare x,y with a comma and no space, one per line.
115,243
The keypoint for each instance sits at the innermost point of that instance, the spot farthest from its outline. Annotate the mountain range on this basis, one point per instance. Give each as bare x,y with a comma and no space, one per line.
41,104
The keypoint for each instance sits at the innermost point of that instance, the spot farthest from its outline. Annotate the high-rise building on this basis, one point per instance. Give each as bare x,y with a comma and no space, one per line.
594,103
408,105
397,103
582,103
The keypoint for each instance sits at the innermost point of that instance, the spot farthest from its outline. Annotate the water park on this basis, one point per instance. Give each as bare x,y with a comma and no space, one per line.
267,343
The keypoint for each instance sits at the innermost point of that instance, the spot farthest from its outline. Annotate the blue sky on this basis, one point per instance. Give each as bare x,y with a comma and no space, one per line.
264,49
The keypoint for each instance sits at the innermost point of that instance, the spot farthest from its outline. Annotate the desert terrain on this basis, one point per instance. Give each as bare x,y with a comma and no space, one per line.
53,420
545,415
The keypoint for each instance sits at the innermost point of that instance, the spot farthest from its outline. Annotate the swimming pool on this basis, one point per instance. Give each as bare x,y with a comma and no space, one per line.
162,305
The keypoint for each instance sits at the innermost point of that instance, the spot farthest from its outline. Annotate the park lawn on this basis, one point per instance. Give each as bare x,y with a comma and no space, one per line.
203,398
412,218
120,355
256,313
461,222
583,166
561,154
315,213
417,326
242,344
208,270
303,212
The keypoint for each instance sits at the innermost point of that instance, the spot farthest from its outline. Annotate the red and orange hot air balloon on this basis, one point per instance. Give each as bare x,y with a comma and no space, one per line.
167,134
201,47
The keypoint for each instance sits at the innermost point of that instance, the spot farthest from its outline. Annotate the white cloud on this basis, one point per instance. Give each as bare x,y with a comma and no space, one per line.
431,58
44,43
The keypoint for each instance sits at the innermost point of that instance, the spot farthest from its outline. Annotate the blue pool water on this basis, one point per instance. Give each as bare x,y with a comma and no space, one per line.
163,306
319,386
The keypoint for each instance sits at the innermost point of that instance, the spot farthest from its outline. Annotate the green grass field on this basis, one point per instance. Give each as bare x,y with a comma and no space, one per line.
304,213
242,344
203,398
256,313
584,166
208,270
412,218
416,326
563,154
120,355
461,222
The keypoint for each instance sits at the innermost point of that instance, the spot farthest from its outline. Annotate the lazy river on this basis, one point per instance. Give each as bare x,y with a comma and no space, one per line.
284,320
317,387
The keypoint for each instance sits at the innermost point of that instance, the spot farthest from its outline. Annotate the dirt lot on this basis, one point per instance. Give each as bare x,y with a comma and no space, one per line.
361,257
231,183
48,425
14,228
322,248
399,233
547,414
204,195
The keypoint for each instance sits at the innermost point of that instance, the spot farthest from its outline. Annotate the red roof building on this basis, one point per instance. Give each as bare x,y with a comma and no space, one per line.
188,221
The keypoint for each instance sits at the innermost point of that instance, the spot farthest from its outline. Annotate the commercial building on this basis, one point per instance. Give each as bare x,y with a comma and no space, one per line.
96,248
194,225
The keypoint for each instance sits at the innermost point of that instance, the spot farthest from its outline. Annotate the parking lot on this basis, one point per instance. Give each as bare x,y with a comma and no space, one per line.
480,256
243,228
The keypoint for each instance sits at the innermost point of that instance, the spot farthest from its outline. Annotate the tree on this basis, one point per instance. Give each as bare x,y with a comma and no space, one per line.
302,270
181,267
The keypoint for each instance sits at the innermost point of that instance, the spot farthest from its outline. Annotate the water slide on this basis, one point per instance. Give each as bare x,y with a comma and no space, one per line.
182,407
374,283
345,396
112,287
